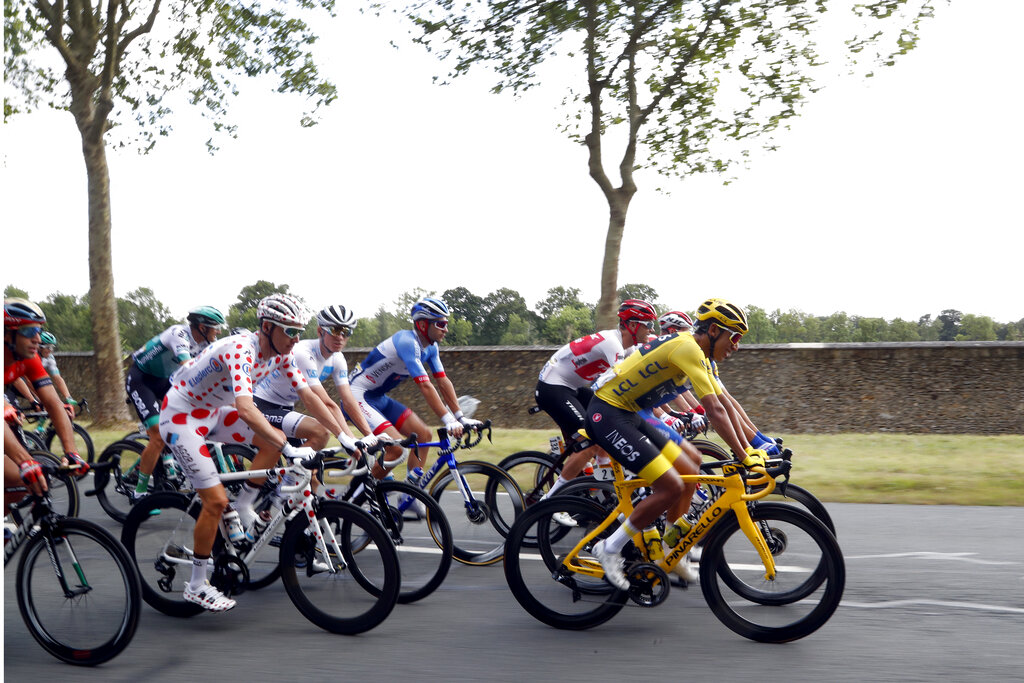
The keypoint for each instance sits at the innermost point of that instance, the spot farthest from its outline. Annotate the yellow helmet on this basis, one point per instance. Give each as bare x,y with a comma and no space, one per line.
723,313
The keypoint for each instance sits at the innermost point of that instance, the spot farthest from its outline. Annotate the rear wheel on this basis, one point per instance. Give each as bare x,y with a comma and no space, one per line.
534,473
546,588
479,527
158,534
115,485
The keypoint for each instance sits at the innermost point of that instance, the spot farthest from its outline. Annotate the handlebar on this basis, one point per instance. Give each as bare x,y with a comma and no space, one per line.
354,466
467,440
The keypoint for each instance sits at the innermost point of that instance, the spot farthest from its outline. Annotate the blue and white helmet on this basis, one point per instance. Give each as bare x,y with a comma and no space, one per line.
429,308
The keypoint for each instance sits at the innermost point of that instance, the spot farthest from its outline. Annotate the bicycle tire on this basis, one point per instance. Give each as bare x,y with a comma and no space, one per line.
531,470
787,493
337,601
424,544
479,531
786,619
107,622
32,440
572,601
82,440
64,493
158,521
114,486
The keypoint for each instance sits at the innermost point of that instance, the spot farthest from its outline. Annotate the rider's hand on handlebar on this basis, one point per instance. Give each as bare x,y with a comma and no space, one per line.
697,421
32,475
12,415
470,423
367,442
76,462
453,427
347,442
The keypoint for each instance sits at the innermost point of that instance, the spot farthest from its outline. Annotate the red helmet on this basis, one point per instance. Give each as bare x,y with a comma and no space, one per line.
636,309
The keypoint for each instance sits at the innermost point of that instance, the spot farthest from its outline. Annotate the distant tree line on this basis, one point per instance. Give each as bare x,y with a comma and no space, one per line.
504,317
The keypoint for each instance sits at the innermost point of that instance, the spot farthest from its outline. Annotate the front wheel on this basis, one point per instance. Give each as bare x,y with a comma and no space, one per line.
534,472
115,485
481,522
94,618
342,591
802,596
422,537
63,487
83,442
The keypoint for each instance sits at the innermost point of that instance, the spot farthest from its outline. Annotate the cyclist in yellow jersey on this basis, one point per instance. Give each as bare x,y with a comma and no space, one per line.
651,376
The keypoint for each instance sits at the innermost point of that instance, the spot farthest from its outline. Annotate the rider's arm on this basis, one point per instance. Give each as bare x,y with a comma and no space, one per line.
739,415
319,405
21,386
447,391
61,421
722,422
348,403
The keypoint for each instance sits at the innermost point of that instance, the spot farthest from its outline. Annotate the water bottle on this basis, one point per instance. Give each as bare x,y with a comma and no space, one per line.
414,476
236,534
699,503
170,467
652,540
675,533
259,524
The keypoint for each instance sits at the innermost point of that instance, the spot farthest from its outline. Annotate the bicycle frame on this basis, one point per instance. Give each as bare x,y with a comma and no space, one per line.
446,458
26,530
734,497
293,506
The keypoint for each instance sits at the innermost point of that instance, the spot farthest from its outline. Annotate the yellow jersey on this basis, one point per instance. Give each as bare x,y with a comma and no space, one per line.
656,373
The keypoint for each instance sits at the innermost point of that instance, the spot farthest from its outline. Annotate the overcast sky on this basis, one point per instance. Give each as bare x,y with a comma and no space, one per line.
896,196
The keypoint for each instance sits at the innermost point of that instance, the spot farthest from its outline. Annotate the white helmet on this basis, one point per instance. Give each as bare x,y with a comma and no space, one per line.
336,316
676,320
282,309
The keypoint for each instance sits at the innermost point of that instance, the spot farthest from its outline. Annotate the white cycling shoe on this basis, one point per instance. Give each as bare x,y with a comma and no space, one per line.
208,597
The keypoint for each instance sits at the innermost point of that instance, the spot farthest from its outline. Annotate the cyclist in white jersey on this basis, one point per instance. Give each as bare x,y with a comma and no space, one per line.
48,343
408,353
317,359
211,398
563,389
146,381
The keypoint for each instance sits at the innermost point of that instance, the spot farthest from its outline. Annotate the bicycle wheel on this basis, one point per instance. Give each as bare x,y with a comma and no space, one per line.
83,442
96,618
33,440
158,535
784,609
339,601
114,486
479,527
64,493
424,543
541,584
534,472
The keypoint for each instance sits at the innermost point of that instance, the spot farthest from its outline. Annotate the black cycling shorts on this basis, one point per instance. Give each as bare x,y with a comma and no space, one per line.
567,407
146,392
624,435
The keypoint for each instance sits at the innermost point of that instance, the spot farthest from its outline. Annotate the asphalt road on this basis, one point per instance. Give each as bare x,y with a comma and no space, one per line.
932,592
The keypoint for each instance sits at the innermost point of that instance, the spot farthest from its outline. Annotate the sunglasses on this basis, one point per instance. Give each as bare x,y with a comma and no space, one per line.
441,324
30,331
292,332
340,331
649,324
734,337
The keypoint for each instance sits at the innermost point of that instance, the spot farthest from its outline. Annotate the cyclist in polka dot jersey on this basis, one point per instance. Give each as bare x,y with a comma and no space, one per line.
211,399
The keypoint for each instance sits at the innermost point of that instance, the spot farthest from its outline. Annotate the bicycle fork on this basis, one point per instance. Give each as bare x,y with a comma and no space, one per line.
51,550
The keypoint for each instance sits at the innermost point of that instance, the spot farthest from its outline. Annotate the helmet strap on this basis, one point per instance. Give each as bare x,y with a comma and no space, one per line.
270,336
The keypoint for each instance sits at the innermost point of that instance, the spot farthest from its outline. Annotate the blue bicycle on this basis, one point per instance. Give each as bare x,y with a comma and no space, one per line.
479,499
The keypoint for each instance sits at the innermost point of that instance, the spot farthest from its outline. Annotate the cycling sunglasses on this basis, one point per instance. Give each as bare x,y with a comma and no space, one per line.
340,331
292,332
441,324
734,337
649,324
30,331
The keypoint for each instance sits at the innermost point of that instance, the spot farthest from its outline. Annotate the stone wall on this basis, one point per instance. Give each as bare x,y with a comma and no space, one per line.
927,387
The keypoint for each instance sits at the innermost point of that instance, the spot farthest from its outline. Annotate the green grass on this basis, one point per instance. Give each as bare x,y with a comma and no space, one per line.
849,468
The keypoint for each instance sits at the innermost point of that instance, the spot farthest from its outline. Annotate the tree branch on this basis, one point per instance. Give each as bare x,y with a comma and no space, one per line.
593,138
143,28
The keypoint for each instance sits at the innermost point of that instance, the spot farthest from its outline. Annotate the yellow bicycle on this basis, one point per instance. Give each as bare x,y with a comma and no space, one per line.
770,572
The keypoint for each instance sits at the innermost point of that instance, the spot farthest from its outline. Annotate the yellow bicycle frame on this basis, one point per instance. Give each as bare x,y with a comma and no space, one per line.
734,497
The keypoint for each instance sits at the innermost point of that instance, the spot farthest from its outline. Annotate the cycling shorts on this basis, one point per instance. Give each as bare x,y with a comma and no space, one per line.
285,418
146,392
186,429
380,410
637,445
567,407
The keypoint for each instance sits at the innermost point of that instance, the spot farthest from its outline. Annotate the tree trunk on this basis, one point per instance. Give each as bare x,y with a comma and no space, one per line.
607,305
108,406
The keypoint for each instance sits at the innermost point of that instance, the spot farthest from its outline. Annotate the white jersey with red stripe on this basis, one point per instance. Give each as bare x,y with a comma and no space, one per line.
581,361
278,387
227,369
